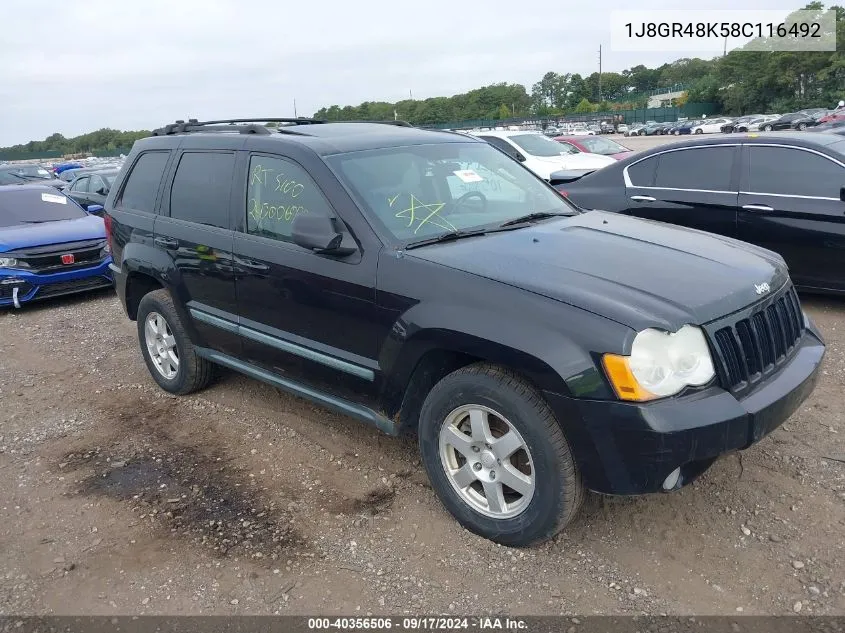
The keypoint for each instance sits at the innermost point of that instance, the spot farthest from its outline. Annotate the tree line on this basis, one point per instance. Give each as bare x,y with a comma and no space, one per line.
740,82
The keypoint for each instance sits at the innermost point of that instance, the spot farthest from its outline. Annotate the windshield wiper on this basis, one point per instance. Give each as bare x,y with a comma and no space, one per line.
445,237
537,215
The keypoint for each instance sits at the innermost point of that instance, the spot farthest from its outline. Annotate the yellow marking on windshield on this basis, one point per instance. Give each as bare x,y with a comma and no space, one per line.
433,208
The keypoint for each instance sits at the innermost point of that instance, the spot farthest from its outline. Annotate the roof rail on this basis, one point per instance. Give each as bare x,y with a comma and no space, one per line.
255,125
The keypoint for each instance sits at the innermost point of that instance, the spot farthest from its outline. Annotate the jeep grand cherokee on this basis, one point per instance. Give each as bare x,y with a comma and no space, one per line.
425,281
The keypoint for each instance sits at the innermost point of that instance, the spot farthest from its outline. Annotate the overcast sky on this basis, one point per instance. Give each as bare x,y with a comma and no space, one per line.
75,67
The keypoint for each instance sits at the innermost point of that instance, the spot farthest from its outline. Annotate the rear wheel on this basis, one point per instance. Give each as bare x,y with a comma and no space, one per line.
802,126
767,128
166,347
497,457
699,131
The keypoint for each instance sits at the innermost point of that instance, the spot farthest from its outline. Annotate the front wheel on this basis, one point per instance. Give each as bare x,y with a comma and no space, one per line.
767,128
497,457
802,126
699,131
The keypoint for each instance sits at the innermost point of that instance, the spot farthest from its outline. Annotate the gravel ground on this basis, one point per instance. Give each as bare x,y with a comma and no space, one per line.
119,499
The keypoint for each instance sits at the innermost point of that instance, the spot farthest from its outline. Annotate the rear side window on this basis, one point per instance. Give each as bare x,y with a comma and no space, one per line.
81,185
506,147
143,182
700,168
793,172
201,186
642,173
278,190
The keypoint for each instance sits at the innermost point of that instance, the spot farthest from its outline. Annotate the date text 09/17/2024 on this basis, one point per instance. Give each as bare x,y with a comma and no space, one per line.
427,623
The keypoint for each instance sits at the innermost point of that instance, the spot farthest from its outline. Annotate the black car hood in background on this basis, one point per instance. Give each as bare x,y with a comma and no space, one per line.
637,272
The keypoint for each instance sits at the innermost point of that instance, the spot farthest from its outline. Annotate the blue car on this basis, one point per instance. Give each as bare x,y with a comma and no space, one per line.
49,245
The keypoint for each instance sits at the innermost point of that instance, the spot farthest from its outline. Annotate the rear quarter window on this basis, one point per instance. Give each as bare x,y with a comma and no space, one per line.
143,182
641,173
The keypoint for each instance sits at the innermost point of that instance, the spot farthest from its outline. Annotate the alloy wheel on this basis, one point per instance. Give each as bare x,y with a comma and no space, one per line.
487,461
161,345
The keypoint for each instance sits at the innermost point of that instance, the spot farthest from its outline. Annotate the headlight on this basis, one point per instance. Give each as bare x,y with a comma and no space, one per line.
661,364
8,262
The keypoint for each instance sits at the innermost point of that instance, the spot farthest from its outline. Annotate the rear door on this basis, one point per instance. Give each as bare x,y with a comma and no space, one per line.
78,190
692,186
193,229
97,190
789,203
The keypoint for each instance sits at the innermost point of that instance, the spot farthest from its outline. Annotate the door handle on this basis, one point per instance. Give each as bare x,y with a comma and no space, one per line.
642,198
759,208
166,242
253,265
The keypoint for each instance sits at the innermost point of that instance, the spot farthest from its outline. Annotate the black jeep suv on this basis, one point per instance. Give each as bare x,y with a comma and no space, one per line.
425,281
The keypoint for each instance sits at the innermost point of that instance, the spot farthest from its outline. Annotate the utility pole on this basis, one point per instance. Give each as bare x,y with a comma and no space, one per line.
599,73
411,94
294,108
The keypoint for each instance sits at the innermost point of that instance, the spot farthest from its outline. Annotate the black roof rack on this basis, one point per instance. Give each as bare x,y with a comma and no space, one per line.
256,125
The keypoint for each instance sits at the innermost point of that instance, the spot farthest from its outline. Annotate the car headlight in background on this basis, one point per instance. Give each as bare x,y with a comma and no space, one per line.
8,262
661,364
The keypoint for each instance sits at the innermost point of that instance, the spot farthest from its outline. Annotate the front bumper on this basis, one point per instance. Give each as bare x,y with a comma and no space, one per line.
31,286
627,448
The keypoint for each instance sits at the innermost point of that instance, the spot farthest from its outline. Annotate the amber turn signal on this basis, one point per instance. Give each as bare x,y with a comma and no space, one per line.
622,378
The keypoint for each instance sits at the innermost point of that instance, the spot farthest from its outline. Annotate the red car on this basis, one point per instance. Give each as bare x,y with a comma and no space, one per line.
838,115
595,145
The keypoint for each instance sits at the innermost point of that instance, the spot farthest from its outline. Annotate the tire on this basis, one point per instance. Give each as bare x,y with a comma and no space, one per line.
802,126
699,131
192,372
767,128
508,402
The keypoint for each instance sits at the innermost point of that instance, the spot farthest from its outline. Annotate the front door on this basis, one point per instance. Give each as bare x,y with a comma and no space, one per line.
790,203
307,317
695,187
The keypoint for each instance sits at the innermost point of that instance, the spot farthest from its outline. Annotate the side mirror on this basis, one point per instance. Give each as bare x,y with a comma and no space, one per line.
95,209
320,234
520,158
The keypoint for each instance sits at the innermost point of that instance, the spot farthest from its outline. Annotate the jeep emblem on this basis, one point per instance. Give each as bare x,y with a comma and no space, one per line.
762,289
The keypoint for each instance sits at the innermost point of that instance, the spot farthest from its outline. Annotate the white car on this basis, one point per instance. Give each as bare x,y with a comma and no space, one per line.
542,155
756,125
710,126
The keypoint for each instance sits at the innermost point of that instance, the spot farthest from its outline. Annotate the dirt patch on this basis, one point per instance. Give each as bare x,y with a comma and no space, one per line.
374,502
193,492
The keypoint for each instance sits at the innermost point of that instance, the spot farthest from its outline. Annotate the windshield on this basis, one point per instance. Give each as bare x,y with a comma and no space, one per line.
538,145
21,206
599,145
9,178
422,191
31,171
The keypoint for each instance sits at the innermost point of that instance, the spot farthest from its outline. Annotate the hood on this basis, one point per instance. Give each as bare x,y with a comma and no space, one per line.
90,227
637,272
